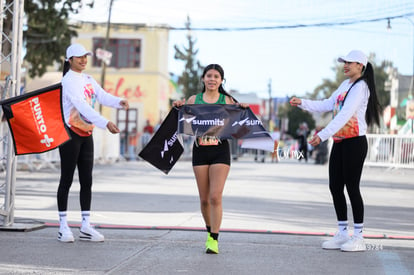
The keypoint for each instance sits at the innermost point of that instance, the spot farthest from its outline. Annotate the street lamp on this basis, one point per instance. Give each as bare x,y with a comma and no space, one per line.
269,86
105,45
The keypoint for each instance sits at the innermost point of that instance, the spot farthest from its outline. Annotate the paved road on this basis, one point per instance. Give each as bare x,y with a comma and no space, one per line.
275,217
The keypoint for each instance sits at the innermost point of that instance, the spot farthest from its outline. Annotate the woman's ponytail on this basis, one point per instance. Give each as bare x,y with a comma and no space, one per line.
373,108
66,67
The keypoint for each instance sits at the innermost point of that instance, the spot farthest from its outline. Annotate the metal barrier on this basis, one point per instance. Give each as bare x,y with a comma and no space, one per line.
395,151
106,151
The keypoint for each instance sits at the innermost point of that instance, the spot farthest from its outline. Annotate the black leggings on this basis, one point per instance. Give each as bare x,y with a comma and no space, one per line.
345,169
76,152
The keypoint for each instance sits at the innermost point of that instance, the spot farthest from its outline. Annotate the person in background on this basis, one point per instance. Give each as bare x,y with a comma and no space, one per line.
157,126
122,143
321,149
211,158
80,92
302,134
259,156
132,144
276,137
147,133
355,106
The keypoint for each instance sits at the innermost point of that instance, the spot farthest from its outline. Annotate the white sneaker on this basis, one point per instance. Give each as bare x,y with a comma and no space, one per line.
336,242
65,235
88,233
354,244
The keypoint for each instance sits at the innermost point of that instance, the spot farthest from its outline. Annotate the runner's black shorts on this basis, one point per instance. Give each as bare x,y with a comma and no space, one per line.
213,154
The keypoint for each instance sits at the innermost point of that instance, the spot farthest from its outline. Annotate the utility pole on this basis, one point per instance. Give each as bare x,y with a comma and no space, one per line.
106,41
269,86
411,91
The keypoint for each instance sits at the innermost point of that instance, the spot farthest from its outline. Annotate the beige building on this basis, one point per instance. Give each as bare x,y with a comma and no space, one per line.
138,71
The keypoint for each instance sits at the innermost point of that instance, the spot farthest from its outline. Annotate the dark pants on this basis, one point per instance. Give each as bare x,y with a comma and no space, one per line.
78,152
345,169
304,149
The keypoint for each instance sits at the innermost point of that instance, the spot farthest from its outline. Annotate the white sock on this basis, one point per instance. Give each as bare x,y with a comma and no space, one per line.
343,227
358,227
63,220
85,218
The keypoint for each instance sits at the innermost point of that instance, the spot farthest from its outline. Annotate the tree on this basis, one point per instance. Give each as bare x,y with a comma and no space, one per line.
295,116
47,33
328,86
381,77
190,78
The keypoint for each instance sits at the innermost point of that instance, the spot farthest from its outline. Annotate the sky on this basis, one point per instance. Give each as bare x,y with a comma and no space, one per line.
294,55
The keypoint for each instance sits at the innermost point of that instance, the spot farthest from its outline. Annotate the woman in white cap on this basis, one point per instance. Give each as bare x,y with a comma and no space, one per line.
79,95
355,106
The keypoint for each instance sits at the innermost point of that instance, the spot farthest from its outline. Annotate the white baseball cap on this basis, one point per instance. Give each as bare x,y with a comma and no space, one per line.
354,56
76,50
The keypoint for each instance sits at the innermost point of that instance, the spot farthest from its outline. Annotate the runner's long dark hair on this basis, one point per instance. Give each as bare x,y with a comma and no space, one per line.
218,68
66,67
372,114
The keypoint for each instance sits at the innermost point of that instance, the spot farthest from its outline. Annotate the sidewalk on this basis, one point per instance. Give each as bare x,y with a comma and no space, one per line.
275,217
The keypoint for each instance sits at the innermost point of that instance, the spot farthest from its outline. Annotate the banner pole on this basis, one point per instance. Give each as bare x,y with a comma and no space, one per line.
10,180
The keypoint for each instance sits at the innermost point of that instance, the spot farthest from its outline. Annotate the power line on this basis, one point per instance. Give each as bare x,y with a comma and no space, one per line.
256,28
241,13
295,26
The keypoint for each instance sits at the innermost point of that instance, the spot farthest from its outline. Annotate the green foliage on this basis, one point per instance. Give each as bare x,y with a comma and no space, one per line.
48,32
190,78
381,78
296,117
328,86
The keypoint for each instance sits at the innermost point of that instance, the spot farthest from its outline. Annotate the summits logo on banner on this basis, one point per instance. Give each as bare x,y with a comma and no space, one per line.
224,121
36,120
248,122
164,148
169,144
203,122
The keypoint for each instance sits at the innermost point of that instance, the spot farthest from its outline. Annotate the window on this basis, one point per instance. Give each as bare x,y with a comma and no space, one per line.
126,53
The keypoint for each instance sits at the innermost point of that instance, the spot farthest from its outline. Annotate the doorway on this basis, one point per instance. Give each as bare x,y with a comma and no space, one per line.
127,121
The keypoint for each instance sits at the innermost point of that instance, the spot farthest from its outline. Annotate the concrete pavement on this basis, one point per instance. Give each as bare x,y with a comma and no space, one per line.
275,217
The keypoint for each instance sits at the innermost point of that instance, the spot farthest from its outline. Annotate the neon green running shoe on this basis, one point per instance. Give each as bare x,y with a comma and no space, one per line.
212,246
208,238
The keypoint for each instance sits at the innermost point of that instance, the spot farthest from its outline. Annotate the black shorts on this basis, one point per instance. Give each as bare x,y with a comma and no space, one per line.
213,154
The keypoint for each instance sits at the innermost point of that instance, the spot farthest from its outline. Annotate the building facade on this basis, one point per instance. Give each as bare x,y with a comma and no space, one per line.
399,115
137,71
